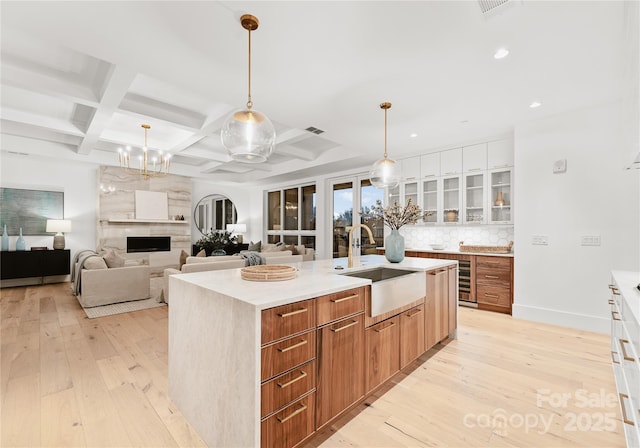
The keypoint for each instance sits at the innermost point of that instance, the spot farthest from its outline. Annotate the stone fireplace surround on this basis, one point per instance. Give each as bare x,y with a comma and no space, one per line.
116,218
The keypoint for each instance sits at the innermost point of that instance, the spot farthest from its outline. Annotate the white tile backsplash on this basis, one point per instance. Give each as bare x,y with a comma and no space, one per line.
420,237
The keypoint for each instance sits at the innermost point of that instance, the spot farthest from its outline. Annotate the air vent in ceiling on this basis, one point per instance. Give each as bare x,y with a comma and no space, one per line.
314,130
489,5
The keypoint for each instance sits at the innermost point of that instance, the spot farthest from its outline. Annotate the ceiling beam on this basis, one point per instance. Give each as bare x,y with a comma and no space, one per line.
116,84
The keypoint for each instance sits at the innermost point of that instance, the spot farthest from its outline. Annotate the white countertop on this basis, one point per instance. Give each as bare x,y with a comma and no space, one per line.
627,282
315,278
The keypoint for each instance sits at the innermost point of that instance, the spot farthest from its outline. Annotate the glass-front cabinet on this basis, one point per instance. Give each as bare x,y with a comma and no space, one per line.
430,200
500,197
474,199
451,199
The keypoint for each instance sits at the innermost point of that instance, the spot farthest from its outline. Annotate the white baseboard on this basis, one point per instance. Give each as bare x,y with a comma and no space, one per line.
563,318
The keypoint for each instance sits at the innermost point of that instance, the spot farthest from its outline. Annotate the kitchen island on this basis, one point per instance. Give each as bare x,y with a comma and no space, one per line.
269,363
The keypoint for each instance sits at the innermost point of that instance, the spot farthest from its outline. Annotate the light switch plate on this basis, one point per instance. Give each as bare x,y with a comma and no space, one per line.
560,166
590,240
540,240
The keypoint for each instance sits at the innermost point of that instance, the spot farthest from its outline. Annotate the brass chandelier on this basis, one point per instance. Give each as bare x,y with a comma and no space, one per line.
148,165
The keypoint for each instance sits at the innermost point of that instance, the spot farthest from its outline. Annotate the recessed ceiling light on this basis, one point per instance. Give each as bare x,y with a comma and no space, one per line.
501,53
535,104
464,121
414,135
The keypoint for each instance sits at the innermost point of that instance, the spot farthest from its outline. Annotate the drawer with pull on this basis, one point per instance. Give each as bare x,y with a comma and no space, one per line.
494,295
283,321
283,355
291,425
336,306
287,387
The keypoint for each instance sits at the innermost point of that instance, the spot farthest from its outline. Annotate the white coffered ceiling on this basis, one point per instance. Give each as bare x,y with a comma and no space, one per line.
79,78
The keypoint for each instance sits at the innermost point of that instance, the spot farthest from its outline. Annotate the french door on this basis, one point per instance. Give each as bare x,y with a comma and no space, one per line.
352,199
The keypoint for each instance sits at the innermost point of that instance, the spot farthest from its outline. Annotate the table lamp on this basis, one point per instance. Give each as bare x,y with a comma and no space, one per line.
59,226
238,229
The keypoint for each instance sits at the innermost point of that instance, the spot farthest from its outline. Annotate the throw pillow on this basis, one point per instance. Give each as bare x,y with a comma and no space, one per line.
292,247
183,258
202,253
255,247
94,263
113,259
279,244
268,247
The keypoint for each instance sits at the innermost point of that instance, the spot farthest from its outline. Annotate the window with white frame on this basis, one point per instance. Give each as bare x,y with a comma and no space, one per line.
291,215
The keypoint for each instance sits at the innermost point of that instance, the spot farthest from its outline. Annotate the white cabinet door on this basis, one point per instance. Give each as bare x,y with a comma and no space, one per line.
500,196
410,168
451,199
474,158
430,165
500,154
474,198
451,162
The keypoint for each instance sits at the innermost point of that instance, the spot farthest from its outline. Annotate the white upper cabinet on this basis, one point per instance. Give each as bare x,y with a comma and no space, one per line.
450,161
430,165
500,154
474,158
410,168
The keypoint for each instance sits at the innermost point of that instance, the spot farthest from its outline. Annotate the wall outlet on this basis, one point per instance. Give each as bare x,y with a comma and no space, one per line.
540,240
590,240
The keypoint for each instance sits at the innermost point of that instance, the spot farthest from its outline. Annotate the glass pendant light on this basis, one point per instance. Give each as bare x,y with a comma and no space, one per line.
248,135
385,173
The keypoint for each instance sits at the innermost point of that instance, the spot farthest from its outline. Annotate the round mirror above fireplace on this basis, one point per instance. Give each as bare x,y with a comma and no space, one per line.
214,211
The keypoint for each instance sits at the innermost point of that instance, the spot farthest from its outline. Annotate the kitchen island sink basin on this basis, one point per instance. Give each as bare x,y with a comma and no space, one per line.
391,288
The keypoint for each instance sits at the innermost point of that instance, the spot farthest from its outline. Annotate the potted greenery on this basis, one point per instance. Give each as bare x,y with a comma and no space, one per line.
217,240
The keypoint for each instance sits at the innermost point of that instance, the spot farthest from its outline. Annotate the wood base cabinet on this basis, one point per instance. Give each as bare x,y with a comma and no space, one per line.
340,367
412,339
494,281
383,354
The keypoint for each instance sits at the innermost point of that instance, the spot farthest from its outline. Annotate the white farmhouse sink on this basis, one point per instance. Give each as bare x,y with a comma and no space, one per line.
391,288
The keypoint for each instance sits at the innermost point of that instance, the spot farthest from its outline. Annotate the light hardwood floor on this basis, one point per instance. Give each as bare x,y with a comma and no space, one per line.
66,380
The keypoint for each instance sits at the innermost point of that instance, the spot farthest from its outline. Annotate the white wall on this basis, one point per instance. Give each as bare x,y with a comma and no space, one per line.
78,180
565,283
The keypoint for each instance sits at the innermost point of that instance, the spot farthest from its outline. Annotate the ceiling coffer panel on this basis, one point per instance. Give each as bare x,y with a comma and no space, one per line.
489,5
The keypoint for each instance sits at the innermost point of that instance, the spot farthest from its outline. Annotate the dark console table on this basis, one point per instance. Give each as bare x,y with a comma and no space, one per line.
34,263
230,250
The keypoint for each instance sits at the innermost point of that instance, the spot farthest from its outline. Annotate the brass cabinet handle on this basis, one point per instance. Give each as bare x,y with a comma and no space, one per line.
391,324
303,407
624,409
495,296
290,382
613,315
344,327
293,313
625,356
344,299
611,302
291,347
615,292
438,272
491,276
613,360
418,311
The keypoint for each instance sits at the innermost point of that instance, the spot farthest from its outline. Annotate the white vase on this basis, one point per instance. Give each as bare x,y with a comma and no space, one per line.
20,242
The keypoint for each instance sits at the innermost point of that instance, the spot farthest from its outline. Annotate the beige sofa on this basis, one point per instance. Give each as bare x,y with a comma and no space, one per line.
114,285
267,249
200,264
